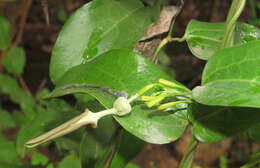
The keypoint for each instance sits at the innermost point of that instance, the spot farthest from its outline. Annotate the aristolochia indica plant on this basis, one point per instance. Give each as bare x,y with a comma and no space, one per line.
121,107
93,55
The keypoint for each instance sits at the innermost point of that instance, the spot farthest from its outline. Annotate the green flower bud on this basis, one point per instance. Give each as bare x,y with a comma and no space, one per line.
122,106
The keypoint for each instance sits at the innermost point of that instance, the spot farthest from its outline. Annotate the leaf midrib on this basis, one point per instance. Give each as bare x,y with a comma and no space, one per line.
205,80
112,27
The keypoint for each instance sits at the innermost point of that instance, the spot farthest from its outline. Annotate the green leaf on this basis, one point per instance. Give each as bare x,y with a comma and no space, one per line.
7,166
9,86
122,70
130,165
19,118
232,77
245,33
69,142
254,132
128,146
39,159
69,162
155,2
213,123
8,153
56,113
97,27
6,120
50,165
204,38
14,61
5,33
94,142
90,150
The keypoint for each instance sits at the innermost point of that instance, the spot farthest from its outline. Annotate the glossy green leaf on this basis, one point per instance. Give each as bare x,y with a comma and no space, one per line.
69,162
204,38
232,77
122,70
128,146
97,27
254,132
14,61
214,123
56,113
5,33
245,33
8,153
6,120
9,86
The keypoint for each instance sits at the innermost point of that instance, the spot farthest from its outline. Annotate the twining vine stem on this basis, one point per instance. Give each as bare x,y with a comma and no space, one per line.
187,159
233,14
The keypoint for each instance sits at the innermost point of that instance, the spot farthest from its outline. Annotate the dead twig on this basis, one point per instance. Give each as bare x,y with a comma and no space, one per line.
23,84
19,35
41,86
44,4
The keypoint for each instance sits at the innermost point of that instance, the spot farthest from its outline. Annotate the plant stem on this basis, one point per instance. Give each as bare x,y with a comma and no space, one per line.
23,84
187,159
158,49
233,14
169,36
171,28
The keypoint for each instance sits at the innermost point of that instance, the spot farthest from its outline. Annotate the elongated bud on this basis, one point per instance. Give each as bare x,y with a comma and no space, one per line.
85,118
172,104
173,85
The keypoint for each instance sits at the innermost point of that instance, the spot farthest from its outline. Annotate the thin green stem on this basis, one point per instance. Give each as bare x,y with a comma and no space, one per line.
171,28
187,159
158,49
178,39
234,12
223,162
163,43
169,36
